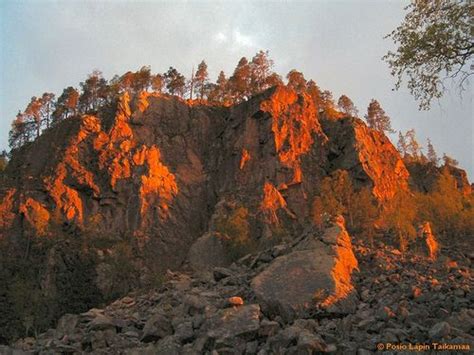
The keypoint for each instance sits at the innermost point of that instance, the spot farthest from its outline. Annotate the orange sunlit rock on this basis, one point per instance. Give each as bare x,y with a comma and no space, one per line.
66,198
158,186
6,210
143,100
114,147
244,159
295,121
431,243
272,202
381,162
345,263
36,215
236,301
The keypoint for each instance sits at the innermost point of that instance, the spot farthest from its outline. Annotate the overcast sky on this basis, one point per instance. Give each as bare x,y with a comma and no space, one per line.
46,46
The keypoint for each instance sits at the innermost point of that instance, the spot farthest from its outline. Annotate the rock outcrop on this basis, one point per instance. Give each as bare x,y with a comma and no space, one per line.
368,155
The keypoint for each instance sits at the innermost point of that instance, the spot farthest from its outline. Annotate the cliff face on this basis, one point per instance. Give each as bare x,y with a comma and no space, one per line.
367,155
158,168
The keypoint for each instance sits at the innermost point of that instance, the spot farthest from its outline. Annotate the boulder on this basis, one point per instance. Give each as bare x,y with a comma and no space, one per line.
67,323
208,252
157,327
439,330
317,276
233,322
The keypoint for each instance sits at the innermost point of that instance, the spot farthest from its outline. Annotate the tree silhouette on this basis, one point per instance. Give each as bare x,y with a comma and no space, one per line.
402,144
33,113
431,154
175,82
94,92
261,70
296,80
315,92
239,82
377,118
413,147
66,105
346,105
201,78
219,91
157,83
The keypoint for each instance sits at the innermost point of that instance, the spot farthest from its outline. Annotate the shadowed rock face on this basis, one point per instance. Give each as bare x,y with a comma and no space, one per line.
423,177
156,168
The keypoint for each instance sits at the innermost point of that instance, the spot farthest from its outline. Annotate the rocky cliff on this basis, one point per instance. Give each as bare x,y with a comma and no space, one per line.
159,166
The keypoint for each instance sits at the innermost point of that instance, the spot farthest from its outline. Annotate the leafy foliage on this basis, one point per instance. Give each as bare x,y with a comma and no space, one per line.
434,43
236,229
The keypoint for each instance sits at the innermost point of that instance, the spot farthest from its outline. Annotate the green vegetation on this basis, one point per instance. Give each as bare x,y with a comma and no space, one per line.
235,228
450,212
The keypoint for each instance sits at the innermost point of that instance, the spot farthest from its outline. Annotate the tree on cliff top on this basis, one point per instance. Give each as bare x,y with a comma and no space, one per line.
377,118
239,82
66,104
260,72
346,105
434,44
175,82
431,154
94,92
201,78
296,80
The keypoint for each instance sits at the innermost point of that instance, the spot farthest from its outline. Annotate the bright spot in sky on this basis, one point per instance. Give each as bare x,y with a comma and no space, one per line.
220,37
242,40
235,39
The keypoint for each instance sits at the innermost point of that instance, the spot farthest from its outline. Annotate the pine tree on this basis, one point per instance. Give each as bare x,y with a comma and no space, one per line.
365,212
377,118
240,81
94,92
313,90
157,82
33,113
47,107
260,70
219,90
296,81
175,82
402,144
413,147
431,154
3,160
201,78
66,105
327,101
449,161
346,105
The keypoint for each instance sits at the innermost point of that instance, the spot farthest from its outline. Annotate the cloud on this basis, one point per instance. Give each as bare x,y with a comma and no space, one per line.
220,37
242,40
235,40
